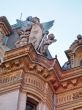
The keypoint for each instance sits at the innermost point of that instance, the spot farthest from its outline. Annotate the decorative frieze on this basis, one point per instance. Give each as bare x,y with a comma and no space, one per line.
9,79
77,95
35,82
69,97
64,99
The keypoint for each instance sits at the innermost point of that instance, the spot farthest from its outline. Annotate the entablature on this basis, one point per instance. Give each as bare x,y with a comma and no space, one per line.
27,59
70,79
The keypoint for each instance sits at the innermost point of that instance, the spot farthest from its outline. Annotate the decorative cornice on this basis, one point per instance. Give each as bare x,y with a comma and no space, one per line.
70,99
10,81
27,58
29,51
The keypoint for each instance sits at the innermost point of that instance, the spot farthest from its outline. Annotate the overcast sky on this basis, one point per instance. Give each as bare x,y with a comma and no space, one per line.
66,13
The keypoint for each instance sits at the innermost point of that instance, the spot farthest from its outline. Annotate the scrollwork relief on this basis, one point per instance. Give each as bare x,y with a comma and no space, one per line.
77,95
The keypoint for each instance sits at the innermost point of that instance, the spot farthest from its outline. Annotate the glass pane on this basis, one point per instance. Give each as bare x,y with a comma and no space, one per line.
31,104
29,107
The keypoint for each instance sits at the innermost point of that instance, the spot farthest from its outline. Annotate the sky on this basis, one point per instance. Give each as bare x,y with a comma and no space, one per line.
66,13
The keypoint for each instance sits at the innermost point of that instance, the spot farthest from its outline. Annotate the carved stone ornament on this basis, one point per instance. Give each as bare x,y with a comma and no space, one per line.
77,95
24,38
32,31
46,42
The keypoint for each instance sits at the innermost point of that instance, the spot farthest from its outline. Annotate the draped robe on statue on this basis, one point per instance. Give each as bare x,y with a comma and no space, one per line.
35,35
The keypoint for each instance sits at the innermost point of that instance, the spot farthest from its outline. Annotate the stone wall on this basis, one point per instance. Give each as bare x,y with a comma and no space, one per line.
9,100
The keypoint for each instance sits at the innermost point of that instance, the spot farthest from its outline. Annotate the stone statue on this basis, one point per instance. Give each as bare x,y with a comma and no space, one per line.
23,25
24,38
32,31
36,32
28,31
47,25
46,42
39,31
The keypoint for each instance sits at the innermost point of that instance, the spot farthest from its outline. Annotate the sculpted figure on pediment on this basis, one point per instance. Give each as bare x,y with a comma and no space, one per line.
39,34
32,31
36,32
46,42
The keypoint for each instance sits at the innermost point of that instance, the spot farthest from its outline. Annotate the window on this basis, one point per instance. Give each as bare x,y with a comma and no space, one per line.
31,104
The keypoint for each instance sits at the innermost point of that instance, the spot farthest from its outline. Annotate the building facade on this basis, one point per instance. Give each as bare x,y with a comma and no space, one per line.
30,79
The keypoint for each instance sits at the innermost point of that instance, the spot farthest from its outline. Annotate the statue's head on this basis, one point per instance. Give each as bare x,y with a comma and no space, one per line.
35,20
29,18
79,36
51,36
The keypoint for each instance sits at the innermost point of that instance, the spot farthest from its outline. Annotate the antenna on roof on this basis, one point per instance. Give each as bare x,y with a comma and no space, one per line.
21,16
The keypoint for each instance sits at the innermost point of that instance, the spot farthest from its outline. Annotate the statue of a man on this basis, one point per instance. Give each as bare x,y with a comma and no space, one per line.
36,32
32,31
46,42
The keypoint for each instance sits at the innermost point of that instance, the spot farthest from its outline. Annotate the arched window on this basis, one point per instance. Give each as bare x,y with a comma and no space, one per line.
81,63
31,104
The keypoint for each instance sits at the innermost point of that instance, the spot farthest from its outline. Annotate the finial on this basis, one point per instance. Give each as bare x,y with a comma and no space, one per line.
79,36
55,56
21,16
